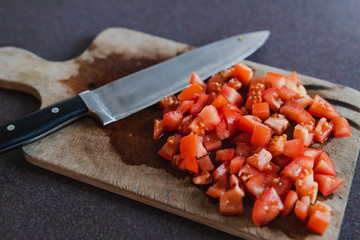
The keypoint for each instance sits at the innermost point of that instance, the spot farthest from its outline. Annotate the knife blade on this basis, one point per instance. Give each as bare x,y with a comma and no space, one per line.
119,99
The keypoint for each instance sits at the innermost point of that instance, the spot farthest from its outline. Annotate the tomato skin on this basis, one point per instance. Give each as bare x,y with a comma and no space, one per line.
296,113
294,78
224,155
275,80
219,102
205,164
261,135
271,96
294,148
192,92
303,101
267,207
302,208
243,73
324,165
158,129
341,127
185,106
195,78
322,130
236,164
278,123
172,120
313,152
289,203
188,150
282,161
322,109
328,184
232,116
319,218
297,167
195,108
261,110
231,95
247,123
212,142
287,94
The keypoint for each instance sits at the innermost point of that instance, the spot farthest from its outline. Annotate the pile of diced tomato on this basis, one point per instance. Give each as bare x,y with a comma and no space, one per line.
242,135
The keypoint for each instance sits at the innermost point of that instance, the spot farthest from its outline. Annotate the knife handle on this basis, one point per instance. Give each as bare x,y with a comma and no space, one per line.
41,123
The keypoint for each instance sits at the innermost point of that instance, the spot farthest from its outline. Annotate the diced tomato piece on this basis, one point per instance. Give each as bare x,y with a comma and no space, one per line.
258,80
296,113
176,159
294,78
243,73
259,184
221,179
188,151
244,111
171,120
254,95
261,135
199,104
202,179
197,127
227,73
287,94
275,80
300,131
324,165
298,166
322,108
282,185
289,203
319,218
243,149
205,164
260,160
211,98
215,191
234,83
209,116
233,116
276,145
313,152
306,186
212,142
195,78
242,137
282,161
219,102
247,123
230,202
215,83
168,103
192,92
224,155
294,148
158,129
231,95
271,96
302,208
272,167
185,106
247,172
341,127
221,130
267,207
183,127
328,184
171,147
278,123
303,101
261,110
200,151
236,164
323,130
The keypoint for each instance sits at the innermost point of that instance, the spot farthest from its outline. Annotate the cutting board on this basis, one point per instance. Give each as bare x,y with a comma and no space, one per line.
121,157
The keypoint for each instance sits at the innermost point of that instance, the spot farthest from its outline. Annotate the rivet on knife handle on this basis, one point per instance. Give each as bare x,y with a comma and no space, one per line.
40,123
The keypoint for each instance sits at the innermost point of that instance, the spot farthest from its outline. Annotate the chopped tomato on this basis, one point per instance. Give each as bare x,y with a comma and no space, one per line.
195,78
221,130
276,145
294,78
261,110
275,80
294,148
183,127
227,73
192,92
254,95
202,179
267,207
289,203
197,126
247,123
219,102
221,179
232,116
236,164
287,94
282,161
296,113
185,106
313,152
242,137
322,130
302,208
188,150
169,103
278,123
209,117
215,83
261,135
234,83
205,164
298,166
322,108
231,95
319,218
212,142
341,127
328,184
158,129
243,149
260,160
247,172
301,131
271,96
303,101
225,155
171,120
195,108
324,165
243,73
171,147
306,186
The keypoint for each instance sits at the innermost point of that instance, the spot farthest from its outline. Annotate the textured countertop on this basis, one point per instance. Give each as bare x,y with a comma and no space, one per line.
316,38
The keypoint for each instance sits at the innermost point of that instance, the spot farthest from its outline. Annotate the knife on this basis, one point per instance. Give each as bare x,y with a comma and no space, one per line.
134,92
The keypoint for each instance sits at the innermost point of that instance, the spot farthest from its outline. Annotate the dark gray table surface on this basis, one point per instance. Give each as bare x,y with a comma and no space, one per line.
316,38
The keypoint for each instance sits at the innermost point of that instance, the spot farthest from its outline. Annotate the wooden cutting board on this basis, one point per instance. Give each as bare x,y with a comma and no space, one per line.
122,157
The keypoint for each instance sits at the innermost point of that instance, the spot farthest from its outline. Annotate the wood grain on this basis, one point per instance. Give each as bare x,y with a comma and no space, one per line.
122,157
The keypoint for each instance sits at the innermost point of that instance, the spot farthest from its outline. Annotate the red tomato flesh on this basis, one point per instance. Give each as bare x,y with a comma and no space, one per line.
341,127
289,203
322,108
328,184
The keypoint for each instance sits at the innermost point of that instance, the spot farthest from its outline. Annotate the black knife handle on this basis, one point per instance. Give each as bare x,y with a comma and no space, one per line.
40,123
